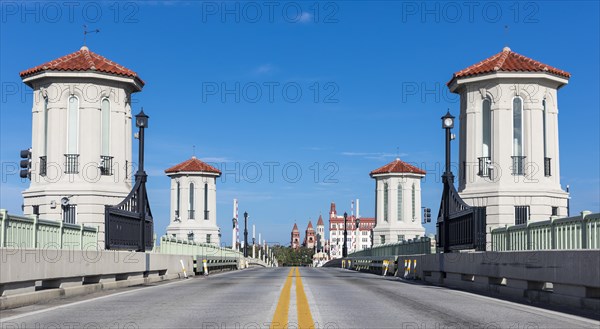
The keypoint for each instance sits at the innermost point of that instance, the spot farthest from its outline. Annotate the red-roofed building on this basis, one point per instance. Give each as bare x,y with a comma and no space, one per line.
194,201
309,237
81,145
358,236
508,138
397,202
295,242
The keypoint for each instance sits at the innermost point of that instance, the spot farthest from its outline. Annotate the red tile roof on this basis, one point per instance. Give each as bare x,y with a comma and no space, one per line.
193,165
397,166
83,60
310,226
295,229
320,221
508,61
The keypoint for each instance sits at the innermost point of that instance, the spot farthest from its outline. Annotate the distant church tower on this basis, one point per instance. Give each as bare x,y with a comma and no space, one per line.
320,238
81,137
194,202
309,237
508,145
397,203
295,243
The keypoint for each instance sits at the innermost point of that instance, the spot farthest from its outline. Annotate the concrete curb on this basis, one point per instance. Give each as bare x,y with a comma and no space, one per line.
25,299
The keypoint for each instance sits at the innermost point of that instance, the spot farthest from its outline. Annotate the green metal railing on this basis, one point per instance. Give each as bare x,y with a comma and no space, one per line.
32,232
580,232
169,245
422,245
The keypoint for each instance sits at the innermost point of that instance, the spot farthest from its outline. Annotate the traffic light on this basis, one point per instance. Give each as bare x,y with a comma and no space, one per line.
427,215
25,164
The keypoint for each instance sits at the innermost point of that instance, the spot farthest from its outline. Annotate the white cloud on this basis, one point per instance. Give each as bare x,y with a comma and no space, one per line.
305,17
264,69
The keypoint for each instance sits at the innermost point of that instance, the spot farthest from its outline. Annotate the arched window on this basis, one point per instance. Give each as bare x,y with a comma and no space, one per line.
486,128
45,150
414,201
385,202
205,201
72,155
547,170
73,125
518,158
400,217
191,202
105,138
178,199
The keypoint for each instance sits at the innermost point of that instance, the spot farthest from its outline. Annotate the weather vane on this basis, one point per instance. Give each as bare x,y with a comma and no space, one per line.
86,32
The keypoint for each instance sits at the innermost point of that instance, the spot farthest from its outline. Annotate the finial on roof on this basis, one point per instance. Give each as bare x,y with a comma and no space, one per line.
84,48
506,49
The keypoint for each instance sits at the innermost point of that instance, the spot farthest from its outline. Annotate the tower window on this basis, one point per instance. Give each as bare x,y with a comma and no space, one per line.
521,215
547,160
414,202
177,200
69,214
518,167
400,217
191,202
72,156
205,201
486,139
44,157
385,202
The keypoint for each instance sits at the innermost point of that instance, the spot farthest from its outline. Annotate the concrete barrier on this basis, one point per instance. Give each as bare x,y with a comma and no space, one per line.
563,277
32,275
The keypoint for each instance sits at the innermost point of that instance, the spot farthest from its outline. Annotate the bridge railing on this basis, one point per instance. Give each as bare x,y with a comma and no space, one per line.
422,245
35,233
169,245
579,232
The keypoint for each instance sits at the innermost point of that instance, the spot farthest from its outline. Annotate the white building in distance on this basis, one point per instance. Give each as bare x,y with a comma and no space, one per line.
194,202
81,137
508,143
397,203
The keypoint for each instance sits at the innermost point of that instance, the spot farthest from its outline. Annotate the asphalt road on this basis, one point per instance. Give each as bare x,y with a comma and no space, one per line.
286,297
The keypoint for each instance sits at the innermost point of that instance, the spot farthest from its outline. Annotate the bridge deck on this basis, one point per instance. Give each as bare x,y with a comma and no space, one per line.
253,298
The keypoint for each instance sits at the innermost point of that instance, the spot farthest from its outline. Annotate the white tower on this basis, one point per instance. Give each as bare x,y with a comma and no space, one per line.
194,202
508,145
81,137
397,203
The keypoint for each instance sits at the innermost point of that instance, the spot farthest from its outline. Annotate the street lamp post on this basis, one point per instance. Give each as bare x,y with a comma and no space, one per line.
345,247
447,179
245,234
141,121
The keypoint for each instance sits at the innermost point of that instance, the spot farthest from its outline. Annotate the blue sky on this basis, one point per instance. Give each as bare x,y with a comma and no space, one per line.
321,85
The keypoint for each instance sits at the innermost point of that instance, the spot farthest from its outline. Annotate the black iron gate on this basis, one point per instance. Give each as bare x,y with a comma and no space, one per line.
122,221
466,224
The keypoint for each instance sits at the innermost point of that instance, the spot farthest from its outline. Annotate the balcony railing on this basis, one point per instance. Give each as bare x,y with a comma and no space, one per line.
547,167
190,214
518,165
485,164
43,165
105,165
71,163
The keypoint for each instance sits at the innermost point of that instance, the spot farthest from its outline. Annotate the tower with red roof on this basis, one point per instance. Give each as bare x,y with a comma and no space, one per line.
194,201
81,153
309,237
320,238
508,139
397,202
295,242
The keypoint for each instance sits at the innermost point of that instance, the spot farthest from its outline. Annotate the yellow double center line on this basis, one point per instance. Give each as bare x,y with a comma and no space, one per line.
280,319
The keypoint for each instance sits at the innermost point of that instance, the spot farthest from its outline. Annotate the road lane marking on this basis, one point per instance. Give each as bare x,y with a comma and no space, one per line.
305,320
280,318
